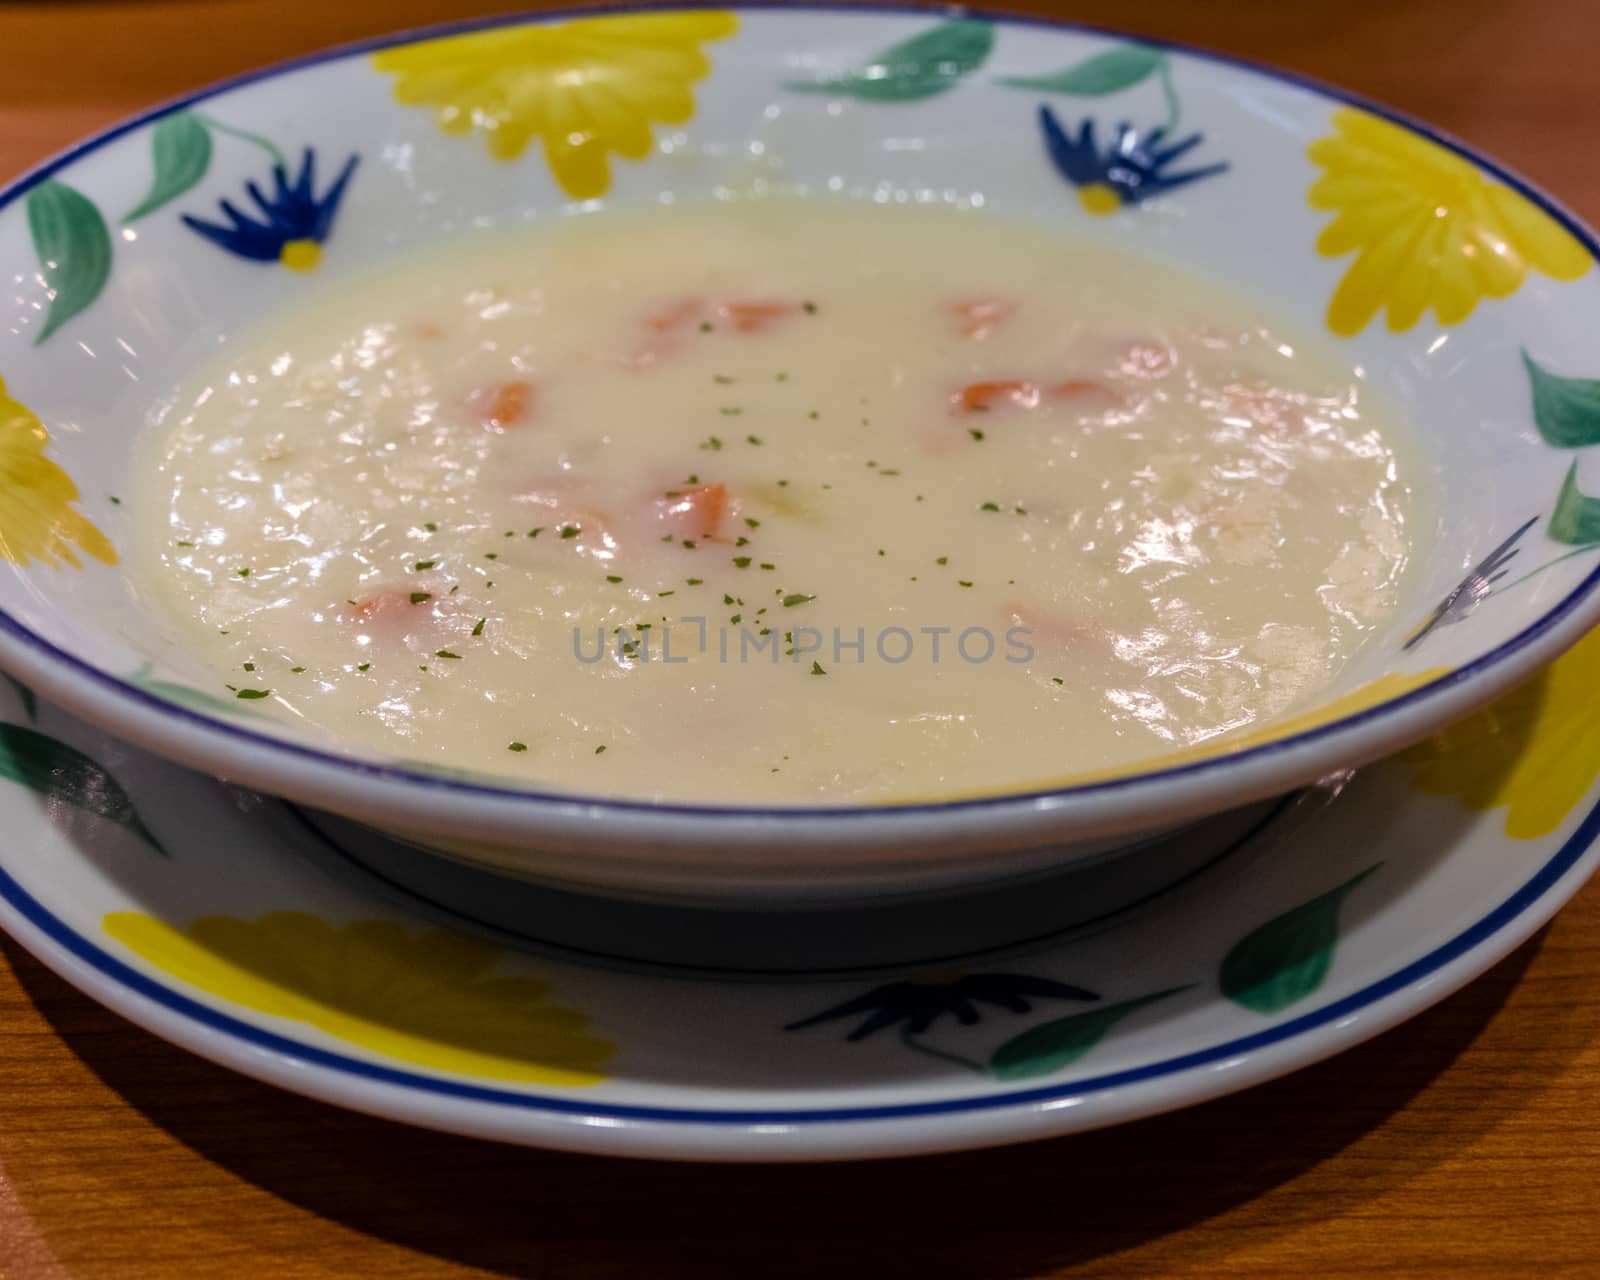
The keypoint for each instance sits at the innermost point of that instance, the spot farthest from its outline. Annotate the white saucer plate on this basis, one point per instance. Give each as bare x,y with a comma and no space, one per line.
249,933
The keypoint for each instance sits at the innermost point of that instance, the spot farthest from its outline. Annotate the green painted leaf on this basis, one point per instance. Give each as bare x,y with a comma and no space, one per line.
180,149
920,67
1566,410
1052,1045
1108,72
1287,958
64,775
188,696
1576,519
30,704
73,247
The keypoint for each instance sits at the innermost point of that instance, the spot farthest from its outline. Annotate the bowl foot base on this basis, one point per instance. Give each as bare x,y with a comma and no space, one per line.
773,943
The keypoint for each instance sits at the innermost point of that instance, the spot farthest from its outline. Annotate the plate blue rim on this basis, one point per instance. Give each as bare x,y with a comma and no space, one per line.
1518,903
19,187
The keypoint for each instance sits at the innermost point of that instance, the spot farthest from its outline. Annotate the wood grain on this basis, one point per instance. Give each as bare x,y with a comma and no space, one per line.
1466,1143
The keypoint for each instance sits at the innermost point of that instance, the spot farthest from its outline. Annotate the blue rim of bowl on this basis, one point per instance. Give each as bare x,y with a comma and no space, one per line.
12,191
255,1038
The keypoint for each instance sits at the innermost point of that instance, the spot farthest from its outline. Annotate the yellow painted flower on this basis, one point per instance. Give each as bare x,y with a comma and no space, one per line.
1428,228
1535,752
37,518
586,88
425,998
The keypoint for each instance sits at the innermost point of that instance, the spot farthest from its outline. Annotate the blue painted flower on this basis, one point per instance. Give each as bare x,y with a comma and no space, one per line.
918,1005
1134,168
294,222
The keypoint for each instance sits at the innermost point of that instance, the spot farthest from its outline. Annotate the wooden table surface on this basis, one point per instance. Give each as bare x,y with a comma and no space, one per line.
1466,1142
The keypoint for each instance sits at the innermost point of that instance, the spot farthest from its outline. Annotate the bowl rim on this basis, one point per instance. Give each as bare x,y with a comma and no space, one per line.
58,670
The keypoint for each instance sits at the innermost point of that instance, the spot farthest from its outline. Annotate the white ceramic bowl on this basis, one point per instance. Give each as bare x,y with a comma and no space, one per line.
1465,298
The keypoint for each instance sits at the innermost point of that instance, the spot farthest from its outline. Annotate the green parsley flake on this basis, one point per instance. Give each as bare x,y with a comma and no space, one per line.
424,564
612,577
790,601
365,666
963,582
253,695
816,669
942,560
478,630
417,597
741,562
694,582
296,670
244,573
569,531
753,439
431,527
1057,680
990,506
186,544
518,746
534,533
769,567
731,411
600,750
445,653
723,379
810,308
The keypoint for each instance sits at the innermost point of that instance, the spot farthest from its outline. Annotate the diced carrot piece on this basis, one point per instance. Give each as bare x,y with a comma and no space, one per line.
980,317
979,397
697,512
756,317
1073,387
395,607
562,507
675,315
593,536
508,405
665,330
1057,636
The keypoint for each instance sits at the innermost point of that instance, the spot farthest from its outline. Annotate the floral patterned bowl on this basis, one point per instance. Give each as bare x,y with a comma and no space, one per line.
1465,298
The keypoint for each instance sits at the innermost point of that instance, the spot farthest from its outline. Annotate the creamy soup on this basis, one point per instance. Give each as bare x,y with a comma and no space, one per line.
774,502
